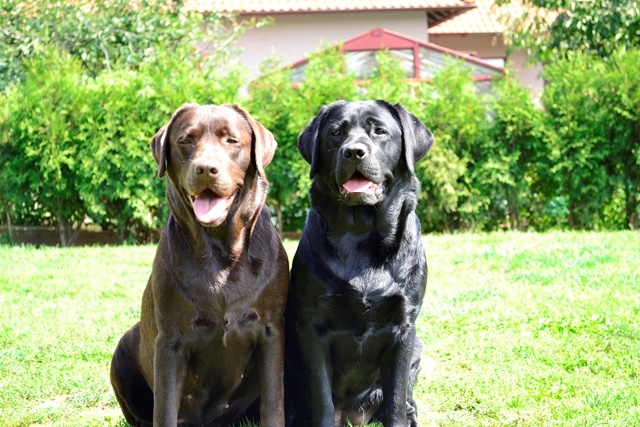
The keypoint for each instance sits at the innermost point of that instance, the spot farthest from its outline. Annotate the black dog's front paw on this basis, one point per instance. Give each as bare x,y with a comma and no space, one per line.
412,414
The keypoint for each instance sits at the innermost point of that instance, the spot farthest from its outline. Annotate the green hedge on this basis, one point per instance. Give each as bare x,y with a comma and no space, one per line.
74,147
593,117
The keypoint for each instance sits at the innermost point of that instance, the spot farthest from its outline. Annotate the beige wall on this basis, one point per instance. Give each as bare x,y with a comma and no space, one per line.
480,45
292,37
492,46
528,75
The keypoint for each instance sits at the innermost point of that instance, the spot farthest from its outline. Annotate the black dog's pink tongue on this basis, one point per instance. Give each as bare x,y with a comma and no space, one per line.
357,184
209,207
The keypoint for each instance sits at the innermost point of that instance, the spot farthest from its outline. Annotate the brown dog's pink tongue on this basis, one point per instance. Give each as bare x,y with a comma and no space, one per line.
210,207
357,185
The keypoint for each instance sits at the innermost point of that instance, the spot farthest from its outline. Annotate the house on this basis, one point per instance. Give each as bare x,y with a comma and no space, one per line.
299,27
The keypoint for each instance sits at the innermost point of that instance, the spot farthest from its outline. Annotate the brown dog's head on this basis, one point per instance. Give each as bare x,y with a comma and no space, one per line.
359,149
211,154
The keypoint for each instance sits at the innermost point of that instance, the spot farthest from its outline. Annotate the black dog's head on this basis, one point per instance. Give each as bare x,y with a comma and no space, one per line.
357,149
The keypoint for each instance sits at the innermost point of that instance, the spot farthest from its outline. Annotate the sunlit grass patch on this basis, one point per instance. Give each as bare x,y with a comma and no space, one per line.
519,330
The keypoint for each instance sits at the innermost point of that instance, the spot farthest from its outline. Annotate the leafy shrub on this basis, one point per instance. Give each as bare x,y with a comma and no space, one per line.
512,163
594,121
41,152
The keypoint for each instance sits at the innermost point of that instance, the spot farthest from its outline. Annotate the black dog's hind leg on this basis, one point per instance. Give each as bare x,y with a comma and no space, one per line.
131,390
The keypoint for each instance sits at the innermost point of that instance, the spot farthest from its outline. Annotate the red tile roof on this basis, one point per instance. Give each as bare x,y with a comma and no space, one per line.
289,6
486,18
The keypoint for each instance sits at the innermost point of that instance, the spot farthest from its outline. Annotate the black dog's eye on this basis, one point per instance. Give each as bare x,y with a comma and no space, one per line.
336,132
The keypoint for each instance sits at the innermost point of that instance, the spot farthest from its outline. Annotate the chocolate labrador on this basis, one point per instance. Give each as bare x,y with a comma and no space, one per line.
209,347
358,277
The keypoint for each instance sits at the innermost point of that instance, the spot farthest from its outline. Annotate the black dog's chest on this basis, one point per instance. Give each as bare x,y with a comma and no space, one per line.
358,295
361,315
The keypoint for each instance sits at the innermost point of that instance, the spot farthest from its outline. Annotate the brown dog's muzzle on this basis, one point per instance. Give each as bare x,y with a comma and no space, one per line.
211,189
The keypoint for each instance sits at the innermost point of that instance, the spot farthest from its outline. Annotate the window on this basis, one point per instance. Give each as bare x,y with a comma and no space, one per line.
496,62
363,62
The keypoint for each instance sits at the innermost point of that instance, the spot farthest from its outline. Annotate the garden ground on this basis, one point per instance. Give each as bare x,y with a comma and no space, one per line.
521,329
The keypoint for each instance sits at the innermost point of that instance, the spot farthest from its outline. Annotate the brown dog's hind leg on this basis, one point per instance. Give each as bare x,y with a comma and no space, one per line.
131,390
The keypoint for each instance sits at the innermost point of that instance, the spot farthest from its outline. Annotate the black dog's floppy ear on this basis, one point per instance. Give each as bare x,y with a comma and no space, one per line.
159,144
417,139
308,140
263,144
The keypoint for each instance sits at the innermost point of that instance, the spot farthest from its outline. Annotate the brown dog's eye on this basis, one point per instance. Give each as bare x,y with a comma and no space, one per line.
185,141
232,141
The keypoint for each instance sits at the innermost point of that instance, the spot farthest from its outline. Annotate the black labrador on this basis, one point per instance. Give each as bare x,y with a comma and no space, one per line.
209,347
358,277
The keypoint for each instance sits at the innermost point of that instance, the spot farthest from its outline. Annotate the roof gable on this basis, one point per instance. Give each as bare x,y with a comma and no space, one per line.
420,59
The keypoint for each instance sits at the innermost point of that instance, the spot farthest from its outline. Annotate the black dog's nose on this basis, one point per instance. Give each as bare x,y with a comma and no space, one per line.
355,151
211,168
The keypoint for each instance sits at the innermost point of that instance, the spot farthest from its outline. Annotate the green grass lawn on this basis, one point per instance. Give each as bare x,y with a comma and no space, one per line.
520,330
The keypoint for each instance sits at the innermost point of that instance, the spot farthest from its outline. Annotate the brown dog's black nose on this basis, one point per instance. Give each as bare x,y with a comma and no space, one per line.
355,151
211,168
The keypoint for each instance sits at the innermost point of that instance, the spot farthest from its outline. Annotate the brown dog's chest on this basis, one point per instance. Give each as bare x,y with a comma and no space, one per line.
216,322
219,359
216,371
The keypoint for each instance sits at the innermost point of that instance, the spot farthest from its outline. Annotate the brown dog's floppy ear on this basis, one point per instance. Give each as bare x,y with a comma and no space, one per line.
159,144
263,144
158,149
417,139
308,143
